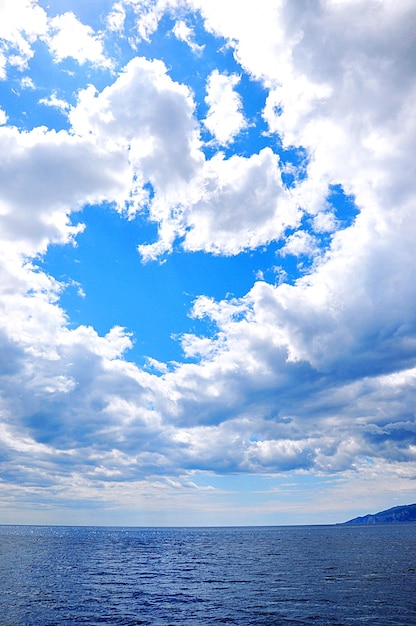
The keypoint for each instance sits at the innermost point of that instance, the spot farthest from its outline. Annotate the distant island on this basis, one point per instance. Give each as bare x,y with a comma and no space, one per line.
398,514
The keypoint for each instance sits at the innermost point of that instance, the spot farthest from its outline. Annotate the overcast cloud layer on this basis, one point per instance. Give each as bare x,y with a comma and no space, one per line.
306,386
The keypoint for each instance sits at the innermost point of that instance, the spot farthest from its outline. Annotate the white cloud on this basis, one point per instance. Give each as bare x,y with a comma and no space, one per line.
27,83
244,205
225,117
182,32
148,14
340,97
151,115
21,23
207,203
54,101
218,216
116,17
210,203
68,37
316,320
45,176
300,243
324,222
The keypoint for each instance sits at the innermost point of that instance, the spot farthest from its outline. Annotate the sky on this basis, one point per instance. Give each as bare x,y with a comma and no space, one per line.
207,261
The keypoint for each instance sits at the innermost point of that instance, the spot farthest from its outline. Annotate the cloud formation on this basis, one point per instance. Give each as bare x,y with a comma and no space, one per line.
68,37
225,118
312,376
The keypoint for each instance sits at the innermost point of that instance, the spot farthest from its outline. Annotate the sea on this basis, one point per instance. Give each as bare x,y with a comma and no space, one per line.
244,576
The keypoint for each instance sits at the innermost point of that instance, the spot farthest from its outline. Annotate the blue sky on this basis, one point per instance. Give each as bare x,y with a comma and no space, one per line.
207,293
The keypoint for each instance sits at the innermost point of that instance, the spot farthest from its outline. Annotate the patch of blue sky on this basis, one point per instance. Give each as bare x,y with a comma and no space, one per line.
121,47
343,204
26,101
291,267
24,106
92,13
254,137
193,69
108,285
294,162
183,64
263,483
274,497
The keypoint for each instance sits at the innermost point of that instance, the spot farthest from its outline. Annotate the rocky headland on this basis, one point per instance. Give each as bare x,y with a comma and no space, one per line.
398,514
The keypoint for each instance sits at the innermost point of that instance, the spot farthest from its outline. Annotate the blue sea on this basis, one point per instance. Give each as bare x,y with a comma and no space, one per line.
261,576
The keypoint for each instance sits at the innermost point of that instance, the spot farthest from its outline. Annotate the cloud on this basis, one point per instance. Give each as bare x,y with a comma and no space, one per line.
153,116
223,221
299,244
225,118
68,37
46,175
24,22
145,111
116,17
147,16
54,101
21,23
182,32
342,107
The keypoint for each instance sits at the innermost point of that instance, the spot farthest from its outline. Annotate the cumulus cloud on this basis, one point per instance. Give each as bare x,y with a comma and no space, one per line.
68,37
244,205
145,111
45,175
300,243
353,316
208,203
225,118
342,107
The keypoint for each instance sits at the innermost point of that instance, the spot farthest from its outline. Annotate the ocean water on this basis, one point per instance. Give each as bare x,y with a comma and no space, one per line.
262,576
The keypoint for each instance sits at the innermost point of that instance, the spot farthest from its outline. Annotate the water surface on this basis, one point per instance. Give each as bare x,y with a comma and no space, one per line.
261,576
